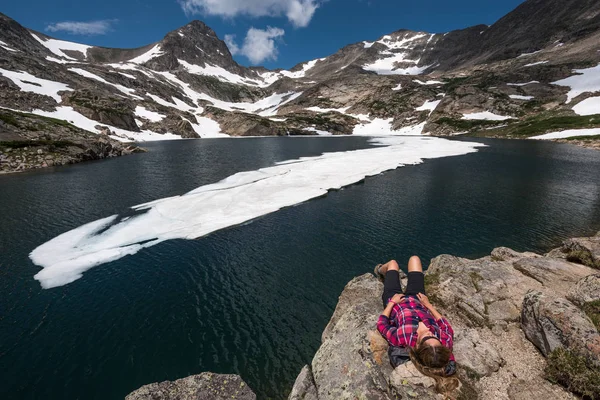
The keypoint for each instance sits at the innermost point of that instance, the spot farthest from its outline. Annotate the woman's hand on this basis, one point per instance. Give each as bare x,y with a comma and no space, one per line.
424,300
397,298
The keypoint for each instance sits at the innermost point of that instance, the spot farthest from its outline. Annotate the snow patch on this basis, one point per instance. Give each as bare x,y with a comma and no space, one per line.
7,47
528,54
399,87
207,209
429,106
428,82
29,83
80,121
151,116
57,47
206,128
486,115
519,97
318,132
220,73
522,84
383,127
535,63
147,56
589,106
587,80
568,134
121,88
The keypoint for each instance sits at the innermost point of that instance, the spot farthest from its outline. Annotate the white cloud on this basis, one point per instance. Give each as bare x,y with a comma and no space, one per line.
298,12
259,45
100,27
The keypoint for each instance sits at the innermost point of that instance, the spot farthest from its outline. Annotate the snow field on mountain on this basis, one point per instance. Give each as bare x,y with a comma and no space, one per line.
208,208
519,97
536,63
485,115
121,88
37,85
586,80
522,84
429,106
151,116
589,106
568,134
387,65
123,135
147,56
57,47
383,127
220,73
7,47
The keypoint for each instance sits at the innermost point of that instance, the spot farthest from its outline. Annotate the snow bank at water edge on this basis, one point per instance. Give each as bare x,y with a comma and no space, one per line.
568,134
208,208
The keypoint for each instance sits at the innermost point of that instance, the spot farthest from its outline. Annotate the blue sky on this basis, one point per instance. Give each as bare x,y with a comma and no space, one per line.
285,32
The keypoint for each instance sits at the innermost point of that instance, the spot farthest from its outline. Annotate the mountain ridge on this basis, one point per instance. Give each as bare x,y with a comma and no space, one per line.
489,81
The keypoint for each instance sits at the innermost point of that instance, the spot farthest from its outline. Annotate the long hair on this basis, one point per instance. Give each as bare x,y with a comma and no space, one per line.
431,361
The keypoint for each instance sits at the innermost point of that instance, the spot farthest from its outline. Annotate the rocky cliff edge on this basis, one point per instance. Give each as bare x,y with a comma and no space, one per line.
526,327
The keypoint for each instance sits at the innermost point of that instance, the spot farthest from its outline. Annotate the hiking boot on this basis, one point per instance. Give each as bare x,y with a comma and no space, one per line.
378,274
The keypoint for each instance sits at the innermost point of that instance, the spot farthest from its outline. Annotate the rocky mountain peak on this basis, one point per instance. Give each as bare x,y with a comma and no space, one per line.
196,44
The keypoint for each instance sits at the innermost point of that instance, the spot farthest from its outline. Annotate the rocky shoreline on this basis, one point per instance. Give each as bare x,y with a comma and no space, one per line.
29,141
526,327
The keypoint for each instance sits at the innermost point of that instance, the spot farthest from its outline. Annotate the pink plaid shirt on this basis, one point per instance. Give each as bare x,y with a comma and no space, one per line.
400,329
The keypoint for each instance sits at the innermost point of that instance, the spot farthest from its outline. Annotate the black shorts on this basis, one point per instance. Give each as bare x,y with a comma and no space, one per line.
391,285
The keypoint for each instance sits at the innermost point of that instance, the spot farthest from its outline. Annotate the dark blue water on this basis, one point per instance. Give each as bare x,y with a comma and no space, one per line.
252,299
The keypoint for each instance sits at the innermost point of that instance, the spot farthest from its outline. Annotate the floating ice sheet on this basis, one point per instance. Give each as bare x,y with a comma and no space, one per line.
209,208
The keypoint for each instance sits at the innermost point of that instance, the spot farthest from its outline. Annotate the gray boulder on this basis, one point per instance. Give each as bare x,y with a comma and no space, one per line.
206,386
304,387
554,274
554,322
475,353
586,290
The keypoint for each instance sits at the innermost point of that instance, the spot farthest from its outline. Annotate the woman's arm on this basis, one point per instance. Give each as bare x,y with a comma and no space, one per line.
425,301
389,332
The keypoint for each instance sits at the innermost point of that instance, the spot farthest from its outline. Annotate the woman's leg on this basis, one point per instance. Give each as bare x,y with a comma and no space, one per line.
416,278
389,266
414,264
391,283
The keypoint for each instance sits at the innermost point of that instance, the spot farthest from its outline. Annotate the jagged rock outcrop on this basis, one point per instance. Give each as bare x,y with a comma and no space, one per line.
552,322
206,386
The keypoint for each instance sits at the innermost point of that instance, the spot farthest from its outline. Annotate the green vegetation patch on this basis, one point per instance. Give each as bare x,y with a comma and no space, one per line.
592,310
544,123
583,257
574,372
9,119
584,138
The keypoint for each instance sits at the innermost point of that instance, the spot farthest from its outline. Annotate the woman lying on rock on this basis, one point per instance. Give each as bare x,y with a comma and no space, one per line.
410,322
